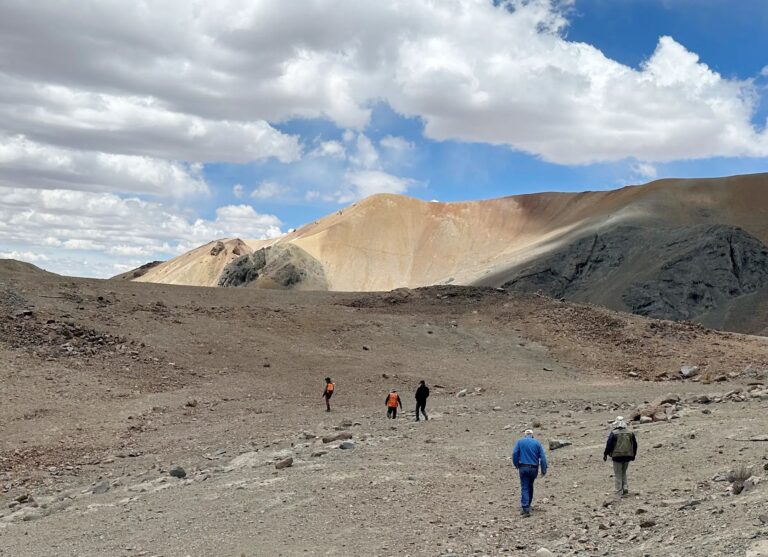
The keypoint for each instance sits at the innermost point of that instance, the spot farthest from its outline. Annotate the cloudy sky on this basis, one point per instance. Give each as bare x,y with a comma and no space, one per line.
133,130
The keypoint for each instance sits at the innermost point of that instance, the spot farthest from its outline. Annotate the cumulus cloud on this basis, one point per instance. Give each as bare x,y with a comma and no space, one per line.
397,144
114,76
268,189
238,190
28,256
368,182
111,230
33,165
333,149
645,170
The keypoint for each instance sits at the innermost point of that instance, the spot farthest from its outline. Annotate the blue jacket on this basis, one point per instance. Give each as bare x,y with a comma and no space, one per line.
529,451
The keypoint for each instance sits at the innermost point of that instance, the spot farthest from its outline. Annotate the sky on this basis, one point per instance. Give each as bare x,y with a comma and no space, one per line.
133,131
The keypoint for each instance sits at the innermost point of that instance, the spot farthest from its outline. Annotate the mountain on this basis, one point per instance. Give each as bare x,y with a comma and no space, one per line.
675,249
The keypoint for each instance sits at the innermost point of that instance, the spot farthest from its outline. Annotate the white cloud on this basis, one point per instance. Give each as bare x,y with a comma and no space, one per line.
33,165
268,189
365,154
28,256
238,190
332,149
205,87
645,170
87,233
89,121
397,144
368,182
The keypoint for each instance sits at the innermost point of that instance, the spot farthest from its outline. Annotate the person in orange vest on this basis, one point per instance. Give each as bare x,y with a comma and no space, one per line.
328,393
392,402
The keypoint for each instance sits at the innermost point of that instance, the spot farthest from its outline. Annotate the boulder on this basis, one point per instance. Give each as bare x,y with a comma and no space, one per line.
285,463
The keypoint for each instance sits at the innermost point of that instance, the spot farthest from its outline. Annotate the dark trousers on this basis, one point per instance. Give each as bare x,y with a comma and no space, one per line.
528,475
328,402
421,405
392,412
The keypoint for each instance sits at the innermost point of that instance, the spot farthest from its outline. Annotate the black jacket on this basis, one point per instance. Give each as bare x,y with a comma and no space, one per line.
422,393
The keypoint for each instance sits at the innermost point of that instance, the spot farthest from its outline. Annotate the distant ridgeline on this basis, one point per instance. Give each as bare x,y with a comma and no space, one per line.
671,249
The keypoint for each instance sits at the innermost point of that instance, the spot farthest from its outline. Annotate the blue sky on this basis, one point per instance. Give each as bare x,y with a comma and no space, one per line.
194,120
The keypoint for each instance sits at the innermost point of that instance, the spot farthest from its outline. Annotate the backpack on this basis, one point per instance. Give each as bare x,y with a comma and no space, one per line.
623,446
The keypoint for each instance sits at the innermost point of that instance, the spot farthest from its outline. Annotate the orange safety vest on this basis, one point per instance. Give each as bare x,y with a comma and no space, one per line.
329,388
392,400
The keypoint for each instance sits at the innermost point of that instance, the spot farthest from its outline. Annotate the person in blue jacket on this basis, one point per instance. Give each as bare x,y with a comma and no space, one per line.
527,456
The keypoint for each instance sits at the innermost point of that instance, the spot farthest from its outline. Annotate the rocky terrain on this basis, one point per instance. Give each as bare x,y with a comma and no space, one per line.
157,420
678,273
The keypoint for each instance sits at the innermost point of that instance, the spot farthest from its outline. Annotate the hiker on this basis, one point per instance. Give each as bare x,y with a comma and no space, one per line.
392,401
527,456
622,448
328,393
422,394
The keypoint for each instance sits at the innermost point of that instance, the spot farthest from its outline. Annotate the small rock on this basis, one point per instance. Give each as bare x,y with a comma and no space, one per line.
462,393
555,444
689,371
544,552
347,445
337,437
648,523
645,419
366,348
318,454
285,463
178,472
100,488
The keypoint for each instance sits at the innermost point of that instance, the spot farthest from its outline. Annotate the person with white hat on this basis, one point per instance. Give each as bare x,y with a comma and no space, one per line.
527,456
622,448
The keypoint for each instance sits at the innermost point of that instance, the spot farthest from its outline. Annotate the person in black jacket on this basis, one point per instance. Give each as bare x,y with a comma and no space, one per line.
422,394
622,448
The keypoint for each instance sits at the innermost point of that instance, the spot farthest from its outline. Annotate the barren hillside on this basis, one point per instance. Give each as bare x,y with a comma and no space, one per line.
617,248
109,387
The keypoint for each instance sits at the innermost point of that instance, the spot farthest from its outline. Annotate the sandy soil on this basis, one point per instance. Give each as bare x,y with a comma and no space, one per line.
106,386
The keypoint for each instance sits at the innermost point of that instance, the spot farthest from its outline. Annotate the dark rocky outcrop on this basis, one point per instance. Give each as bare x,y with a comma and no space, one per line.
283,266
664,272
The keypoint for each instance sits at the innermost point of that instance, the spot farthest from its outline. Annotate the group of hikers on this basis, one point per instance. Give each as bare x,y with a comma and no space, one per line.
393,401
528,455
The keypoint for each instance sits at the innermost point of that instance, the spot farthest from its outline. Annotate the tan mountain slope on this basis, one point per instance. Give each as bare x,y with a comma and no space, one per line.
391,241
200,267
